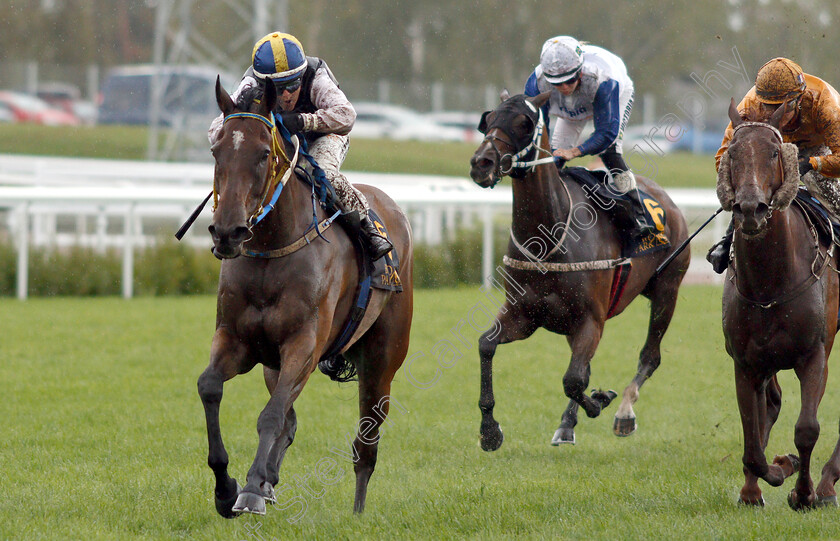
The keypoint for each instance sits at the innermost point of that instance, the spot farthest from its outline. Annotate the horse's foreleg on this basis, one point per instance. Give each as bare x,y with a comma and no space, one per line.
507,328
826,494
225,355
812,378
565,433
284,440
663,301
576,379
295,371
749,393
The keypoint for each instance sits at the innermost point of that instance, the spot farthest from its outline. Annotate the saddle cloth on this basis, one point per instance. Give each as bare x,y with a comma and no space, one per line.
619,206
819,216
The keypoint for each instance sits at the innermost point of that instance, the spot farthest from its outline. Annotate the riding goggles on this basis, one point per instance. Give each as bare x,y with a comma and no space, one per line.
288,86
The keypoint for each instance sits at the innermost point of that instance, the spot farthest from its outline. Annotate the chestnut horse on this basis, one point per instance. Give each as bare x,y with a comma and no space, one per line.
285,311
573,300
780,305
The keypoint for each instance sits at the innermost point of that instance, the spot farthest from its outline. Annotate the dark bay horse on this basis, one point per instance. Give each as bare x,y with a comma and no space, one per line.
780,303
284,312
572,301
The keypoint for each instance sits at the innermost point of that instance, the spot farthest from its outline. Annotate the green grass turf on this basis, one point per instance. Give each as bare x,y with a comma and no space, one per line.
677,170
104,438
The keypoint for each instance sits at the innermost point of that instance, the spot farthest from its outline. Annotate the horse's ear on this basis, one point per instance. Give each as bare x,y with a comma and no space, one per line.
269,99
734,116
783,115
539,101
223,99
504,95
482,123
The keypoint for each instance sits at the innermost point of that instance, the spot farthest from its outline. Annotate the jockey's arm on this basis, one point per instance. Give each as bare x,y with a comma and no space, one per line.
607,119
827,124
532,89
335,113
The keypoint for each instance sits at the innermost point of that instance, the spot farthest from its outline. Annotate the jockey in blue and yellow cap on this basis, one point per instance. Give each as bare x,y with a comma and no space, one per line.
309,104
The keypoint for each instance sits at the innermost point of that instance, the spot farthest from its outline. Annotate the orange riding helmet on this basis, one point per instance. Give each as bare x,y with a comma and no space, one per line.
779,80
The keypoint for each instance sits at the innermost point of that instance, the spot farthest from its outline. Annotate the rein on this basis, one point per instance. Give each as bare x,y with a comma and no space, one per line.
518,161
816,274
276,180
278,176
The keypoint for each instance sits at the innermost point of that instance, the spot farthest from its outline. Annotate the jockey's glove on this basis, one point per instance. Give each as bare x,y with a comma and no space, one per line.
805,166
293,122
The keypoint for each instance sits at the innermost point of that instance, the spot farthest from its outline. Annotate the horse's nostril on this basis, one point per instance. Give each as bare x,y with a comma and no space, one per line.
239,234
212,230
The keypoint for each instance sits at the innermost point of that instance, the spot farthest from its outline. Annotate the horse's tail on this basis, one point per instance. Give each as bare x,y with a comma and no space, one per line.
338,368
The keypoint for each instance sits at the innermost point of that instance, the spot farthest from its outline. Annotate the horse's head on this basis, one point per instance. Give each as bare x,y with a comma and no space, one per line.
244,168
508,130
758,172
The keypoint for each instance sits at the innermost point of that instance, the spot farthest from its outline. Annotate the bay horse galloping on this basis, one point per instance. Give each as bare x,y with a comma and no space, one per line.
572,296
780,303
285,309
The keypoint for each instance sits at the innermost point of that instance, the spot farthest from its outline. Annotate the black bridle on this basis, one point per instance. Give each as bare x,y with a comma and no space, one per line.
516,162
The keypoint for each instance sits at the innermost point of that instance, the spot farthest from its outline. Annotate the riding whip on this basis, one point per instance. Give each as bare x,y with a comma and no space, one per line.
682,246
183,230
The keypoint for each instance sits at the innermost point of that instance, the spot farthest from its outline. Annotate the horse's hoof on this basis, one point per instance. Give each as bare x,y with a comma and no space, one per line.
248,502
491,438
563,435
224,503
827,501
604,398
798,505
752,503
268,493
624,427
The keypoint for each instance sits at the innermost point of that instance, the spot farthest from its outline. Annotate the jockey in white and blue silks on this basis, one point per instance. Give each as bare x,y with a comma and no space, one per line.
587,83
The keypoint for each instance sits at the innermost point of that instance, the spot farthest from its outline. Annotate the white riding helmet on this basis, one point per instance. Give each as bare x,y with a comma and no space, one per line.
561,59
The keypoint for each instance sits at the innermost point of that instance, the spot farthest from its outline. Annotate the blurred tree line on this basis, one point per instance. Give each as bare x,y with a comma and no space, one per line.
483,42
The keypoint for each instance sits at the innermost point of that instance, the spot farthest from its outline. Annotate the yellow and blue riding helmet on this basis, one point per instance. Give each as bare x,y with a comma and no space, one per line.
278,57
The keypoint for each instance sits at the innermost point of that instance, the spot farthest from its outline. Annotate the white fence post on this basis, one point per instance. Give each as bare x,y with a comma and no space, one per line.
23,252
128,254
487,247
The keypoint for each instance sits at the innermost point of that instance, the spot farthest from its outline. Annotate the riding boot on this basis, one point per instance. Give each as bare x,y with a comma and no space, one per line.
375,243
718,254
641,225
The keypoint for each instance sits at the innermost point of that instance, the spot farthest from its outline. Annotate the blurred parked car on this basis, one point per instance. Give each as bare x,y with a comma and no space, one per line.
466,122
708,143
26,108
381,120
6,114
189,94
648,136
68,98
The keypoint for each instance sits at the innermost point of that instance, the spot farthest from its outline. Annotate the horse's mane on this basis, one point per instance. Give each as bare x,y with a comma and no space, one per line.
248,96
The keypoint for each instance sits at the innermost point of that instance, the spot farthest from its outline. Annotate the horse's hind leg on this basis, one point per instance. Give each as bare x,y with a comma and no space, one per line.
826,494
509,326
663,302
583,343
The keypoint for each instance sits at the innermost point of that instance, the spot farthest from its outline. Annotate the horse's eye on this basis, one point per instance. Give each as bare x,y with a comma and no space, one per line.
775,154
265,155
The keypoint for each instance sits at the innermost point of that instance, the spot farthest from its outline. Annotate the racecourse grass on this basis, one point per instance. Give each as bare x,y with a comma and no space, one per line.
104,437
677,170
